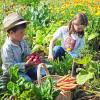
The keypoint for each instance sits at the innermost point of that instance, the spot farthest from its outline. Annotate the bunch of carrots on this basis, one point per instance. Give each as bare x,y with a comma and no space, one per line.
66,83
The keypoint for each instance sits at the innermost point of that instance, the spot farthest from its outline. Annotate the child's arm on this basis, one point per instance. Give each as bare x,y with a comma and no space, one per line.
8,60
57,35
52,42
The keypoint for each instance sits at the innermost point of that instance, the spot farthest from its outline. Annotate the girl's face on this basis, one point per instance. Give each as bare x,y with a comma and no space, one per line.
77,26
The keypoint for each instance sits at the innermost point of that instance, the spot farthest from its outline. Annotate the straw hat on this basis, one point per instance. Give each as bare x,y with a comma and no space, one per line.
12,20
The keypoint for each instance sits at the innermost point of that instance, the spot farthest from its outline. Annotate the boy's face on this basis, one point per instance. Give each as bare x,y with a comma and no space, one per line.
18,35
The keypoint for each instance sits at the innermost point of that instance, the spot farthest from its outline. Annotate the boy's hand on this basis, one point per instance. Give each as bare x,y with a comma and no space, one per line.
27,58
29,62
33,59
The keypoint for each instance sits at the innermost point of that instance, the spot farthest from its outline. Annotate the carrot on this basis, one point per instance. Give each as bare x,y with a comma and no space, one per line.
73,81
61,79
62,83
73,78
69,79
69,85
67,88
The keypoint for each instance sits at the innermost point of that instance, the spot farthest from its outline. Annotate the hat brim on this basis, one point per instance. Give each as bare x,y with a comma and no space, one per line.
18,23
21,22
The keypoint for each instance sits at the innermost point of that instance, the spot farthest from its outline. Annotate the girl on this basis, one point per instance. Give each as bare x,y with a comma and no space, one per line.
72,38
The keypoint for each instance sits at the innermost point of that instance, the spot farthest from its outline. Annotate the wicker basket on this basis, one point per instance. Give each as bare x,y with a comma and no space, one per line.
39,81
67,96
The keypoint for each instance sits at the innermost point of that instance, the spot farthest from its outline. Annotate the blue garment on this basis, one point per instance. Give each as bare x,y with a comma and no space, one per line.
14,54
24,75
58,52
31,74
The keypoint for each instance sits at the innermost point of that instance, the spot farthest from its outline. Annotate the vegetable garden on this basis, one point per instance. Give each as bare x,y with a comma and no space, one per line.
45,16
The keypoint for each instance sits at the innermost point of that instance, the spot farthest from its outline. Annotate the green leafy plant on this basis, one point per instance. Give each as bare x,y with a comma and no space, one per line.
90,75
62,67
84,76
47,89
84,60
19,88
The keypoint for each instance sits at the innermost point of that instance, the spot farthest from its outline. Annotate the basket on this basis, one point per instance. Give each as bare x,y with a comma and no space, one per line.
67,96
39,81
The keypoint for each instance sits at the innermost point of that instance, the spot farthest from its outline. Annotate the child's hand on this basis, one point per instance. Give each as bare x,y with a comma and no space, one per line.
50,57
30,62
34,59
27,58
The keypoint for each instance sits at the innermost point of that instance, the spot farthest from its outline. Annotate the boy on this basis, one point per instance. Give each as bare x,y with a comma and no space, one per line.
15,47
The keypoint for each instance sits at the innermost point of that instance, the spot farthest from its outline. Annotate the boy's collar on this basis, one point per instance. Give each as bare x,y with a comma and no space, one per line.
11,42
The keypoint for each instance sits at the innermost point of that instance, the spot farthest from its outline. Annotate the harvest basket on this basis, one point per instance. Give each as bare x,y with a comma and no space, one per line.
67,96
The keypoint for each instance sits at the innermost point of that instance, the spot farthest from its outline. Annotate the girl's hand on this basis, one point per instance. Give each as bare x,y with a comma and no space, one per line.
50,57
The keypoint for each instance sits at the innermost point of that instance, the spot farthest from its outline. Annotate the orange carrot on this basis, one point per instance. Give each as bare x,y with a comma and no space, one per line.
62,83
69,85
69,79
73,81
67,88
65,82
61,79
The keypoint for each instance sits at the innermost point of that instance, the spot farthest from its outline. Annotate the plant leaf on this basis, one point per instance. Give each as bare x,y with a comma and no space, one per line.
83,77
85,60
13,88
92,36
13,71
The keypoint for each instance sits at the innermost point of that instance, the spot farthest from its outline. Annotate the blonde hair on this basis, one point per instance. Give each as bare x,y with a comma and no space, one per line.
83,20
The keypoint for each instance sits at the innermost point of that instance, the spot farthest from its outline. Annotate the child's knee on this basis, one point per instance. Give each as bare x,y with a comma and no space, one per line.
25,76
58,51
